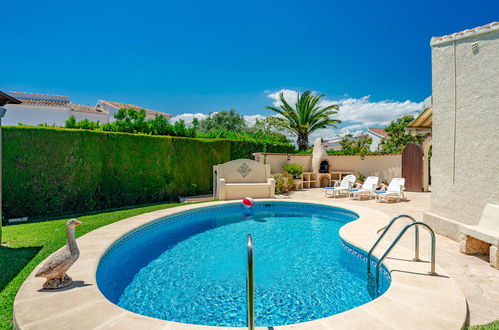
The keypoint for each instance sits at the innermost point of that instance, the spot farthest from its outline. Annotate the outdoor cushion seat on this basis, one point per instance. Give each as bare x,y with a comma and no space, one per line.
242,178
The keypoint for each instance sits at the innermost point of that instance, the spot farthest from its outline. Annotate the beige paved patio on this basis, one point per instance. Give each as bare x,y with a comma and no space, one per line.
479,281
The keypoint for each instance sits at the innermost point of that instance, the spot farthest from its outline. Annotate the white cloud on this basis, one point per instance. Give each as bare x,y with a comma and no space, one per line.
368,113
289,95
356,114
188,117
251,120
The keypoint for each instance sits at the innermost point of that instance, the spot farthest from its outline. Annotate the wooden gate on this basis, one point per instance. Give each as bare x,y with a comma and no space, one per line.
412,167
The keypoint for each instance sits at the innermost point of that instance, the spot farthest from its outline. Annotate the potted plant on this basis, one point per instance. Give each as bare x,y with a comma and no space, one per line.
296,170
361,177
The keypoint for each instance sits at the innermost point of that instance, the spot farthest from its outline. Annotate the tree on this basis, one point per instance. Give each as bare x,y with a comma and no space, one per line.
398,138
359,145
129,121
271,124
270,127
306,116
223,120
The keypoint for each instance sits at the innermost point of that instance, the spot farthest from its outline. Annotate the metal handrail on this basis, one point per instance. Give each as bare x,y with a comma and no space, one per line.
402,232
250,286
416,257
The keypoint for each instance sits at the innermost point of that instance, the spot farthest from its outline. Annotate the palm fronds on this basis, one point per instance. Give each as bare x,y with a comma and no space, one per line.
306,116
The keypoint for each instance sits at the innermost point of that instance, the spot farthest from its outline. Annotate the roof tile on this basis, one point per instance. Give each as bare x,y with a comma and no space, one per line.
87,109
378,131
121,105
465,33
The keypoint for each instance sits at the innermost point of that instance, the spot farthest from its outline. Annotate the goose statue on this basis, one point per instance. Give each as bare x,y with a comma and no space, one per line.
55,267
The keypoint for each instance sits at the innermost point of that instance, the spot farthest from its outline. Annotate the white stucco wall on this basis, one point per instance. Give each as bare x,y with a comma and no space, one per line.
465,162
100,117
376,140
34,115
110,109
385,167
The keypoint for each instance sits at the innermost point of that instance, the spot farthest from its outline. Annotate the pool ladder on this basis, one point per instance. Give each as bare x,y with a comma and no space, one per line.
373,283
250,285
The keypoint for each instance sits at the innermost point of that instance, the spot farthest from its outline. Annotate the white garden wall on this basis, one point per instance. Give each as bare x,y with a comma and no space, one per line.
385,167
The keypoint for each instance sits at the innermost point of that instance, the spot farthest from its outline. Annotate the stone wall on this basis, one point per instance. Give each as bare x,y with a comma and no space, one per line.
465,162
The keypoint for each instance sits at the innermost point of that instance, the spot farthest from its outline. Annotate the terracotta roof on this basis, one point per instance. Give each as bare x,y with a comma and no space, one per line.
121,105
42,99
87,108
423,120
378,131
494,26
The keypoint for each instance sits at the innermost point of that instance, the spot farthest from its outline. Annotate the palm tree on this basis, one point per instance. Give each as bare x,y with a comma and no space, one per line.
306,116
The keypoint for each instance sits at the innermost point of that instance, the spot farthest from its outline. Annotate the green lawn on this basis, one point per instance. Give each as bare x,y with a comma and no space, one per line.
24,246
489,326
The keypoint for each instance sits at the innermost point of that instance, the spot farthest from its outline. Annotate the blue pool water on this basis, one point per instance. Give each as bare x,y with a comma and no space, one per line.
191,267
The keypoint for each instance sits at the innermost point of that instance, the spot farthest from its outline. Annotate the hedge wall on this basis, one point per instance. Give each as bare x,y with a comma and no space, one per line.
53,171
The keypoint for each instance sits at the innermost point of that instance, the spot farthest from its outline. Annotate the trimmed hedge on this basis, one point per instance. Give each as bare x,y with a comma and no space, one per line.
54,171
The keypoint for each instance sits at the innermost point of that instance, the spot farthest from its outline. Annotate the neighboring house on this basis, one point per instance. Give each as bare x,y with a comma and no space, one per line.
37,108
114,107
92,113
465,117
376,134
332,144
56,109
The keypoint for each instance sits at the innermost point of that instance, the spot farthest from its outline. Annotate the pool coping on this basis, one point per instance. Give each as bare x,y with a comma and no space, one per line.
414,298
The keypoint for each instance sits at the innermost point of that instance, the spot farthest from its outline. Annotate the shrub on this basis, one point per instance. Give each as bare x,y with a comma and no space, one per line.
83,124
361,177
283,183
294,169
55,171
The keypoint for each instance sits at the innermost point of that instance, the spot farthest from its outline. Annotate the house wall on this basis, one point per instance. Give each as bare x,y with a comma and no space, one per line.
34,115
376,140
110,109
385,167
465,161
100,117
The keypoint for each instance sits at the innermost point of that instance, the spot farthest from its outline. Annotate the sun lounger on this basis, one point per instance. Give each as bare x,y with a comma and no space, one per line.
394,190
343,187
366,189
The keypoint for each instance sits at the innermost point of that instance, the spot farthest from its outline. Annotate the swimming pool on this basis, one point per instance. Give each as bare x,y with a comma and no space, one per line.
191,267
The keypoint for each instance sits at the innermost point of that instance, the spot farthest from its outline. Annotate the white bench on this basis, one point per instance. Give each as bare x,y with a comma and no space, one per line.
243,178
483,238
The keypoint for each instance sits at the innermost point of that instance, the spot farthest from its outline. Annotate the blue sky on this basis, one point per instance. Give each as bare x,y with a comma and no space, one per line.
205,56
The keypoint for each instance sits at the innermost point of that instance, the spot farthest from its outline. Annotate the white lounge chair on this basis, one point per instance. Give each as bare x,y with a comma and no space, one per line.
366,189
395,189
343,187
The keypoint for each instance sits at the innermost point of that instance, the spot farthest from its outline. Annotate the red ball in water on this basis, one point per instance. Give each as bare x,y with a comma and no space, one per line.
248,202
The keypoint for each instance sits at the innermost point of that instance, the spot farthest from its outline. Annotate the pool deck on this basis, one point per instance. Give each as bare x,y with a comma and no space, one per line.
414,299
479,281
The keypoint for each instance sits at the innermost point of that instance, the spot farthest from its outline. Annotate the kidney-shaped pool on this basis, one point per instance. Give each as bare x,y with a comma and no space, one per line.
191,267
